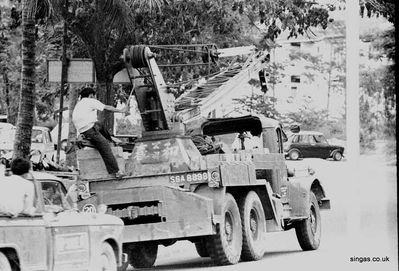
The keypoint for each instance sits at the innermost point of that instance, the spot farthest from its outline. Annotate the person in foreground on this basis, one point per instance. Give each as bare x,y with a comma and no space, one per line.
17,192
84,117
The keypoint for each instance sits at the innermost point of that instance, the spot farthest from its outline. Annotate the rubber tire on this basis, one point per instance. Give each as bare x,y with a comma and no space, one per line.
252,248
201,248
4,263
294,155
337,156
308,240
143,255
108,258
220,249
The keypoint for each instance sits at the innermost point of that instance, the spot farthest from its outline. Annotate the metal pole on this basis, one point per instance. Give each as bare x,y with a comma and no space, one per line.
352,122
63,81
352,80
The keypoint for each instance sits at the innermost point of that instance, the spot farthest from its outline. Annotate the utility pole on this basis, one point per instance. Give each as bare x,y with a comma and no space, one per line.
64,72
353,121
352,80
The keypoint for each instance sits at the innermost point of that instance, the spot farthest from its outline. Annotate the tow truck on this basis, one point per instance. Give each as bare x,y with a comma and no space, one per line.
196,186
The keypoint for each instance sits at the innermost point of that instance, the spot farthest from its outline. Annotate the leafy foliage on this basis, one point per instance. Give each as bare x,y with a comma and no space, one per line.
385,8
378,86
106,27
259,104
316,120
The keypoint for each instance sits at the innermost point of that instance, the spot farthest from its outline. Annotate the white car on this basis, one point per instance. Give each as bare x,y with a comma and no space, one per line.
42,141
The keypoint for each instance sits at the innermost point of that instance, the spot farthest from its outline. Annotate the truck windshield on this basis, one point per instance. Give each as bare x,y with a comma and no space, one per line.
233,141
54,196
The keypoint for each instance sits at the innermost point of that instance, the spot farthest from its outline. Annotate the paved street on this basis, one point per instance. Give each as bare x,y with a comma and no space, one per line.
361,223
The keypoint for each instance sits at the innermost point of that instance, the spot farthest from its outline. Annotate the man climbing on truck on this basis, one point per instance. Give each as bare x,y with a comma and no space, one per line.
84,118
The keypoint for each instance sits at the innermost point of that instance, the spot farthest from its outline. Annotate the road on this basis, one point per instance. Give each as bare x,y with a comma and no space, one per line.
362,223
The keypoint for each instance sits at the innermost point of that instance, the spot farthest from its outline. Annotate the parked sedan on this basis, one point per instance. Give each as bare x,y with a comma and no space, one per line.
306,144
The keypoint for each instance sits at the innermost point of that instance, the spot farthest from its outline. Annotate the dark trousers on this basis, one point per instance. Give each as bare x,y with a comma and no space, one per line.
102,145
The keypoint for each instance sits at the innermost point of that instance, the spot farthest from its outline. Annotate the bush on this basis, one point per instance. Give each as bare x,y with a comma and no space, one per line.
316,120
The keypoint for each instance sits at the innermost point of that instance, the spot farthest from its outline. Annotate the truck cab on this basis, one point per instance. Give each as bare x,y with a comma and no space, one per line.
56,236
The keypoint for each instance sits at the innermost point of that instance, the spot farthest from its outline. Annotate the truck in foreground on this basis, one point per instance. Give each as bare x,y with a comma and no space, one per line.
57,237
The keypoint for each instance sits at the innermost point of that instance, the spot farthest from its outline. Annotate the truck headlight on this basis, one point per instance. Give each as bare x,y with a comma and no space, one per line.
83,189
214,180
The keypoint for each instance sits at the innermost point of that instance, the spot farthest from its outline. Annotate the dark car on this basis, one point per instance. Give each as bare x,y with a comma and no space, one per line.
306,144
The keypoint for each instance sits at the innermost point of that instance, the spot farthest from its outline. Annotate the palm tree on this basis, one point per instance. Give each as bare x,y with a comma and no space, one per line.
27,91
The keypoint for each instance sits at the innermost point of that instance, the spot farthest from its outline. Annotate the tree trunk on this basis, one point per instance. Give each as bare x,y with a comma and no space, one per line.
7,95
73,99
27,91
106,95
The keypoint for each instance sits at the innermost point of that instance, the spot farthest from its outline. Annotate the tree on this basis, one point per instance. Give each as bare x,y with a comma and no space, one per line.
311,119
330,69
27,92
385,8
10,61
259,104
106,27
381,83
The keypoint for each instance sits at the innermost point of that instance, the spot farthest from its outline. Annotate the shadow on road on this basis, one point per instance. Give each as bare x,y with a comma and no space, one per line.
204,263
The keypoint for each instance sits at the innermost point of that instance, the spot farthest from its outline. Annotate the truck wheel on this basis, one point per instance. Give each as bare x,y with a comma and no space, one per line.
143,255
226,244
253,227
308,231
108,259
4,263
337,156
294,155
201,248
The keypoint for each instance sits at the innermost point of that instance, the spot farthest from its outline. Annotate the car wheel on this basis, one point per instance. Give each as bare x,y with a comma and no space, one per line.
143,255
294,155
226,244
108,258
4,263
337,156
308,231
253,227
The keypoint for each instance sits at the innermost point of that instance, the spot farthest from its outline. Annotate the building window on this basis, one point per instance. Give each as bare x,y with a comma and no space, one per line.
295,79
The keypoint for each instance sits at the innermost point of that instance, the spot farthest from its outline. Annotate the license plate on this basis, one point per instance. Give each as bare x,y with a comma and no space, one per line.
189,177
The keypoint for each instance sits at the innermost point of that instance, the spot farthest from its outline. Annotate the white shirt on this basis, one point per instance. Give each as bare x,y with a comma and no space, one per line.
16,195
85,113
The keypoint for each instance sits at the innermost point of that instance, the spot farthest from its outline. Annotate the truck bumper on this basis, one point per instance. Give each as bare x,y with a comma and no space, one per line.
181,214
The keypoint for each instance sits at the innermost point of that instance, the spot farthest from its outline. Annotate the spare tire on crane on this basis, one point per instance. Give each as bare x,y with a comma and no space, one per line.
136,56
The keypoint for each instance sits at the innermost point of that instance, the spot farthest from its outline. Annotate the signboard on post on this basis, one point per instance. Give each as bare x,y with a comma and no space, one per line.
80,70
